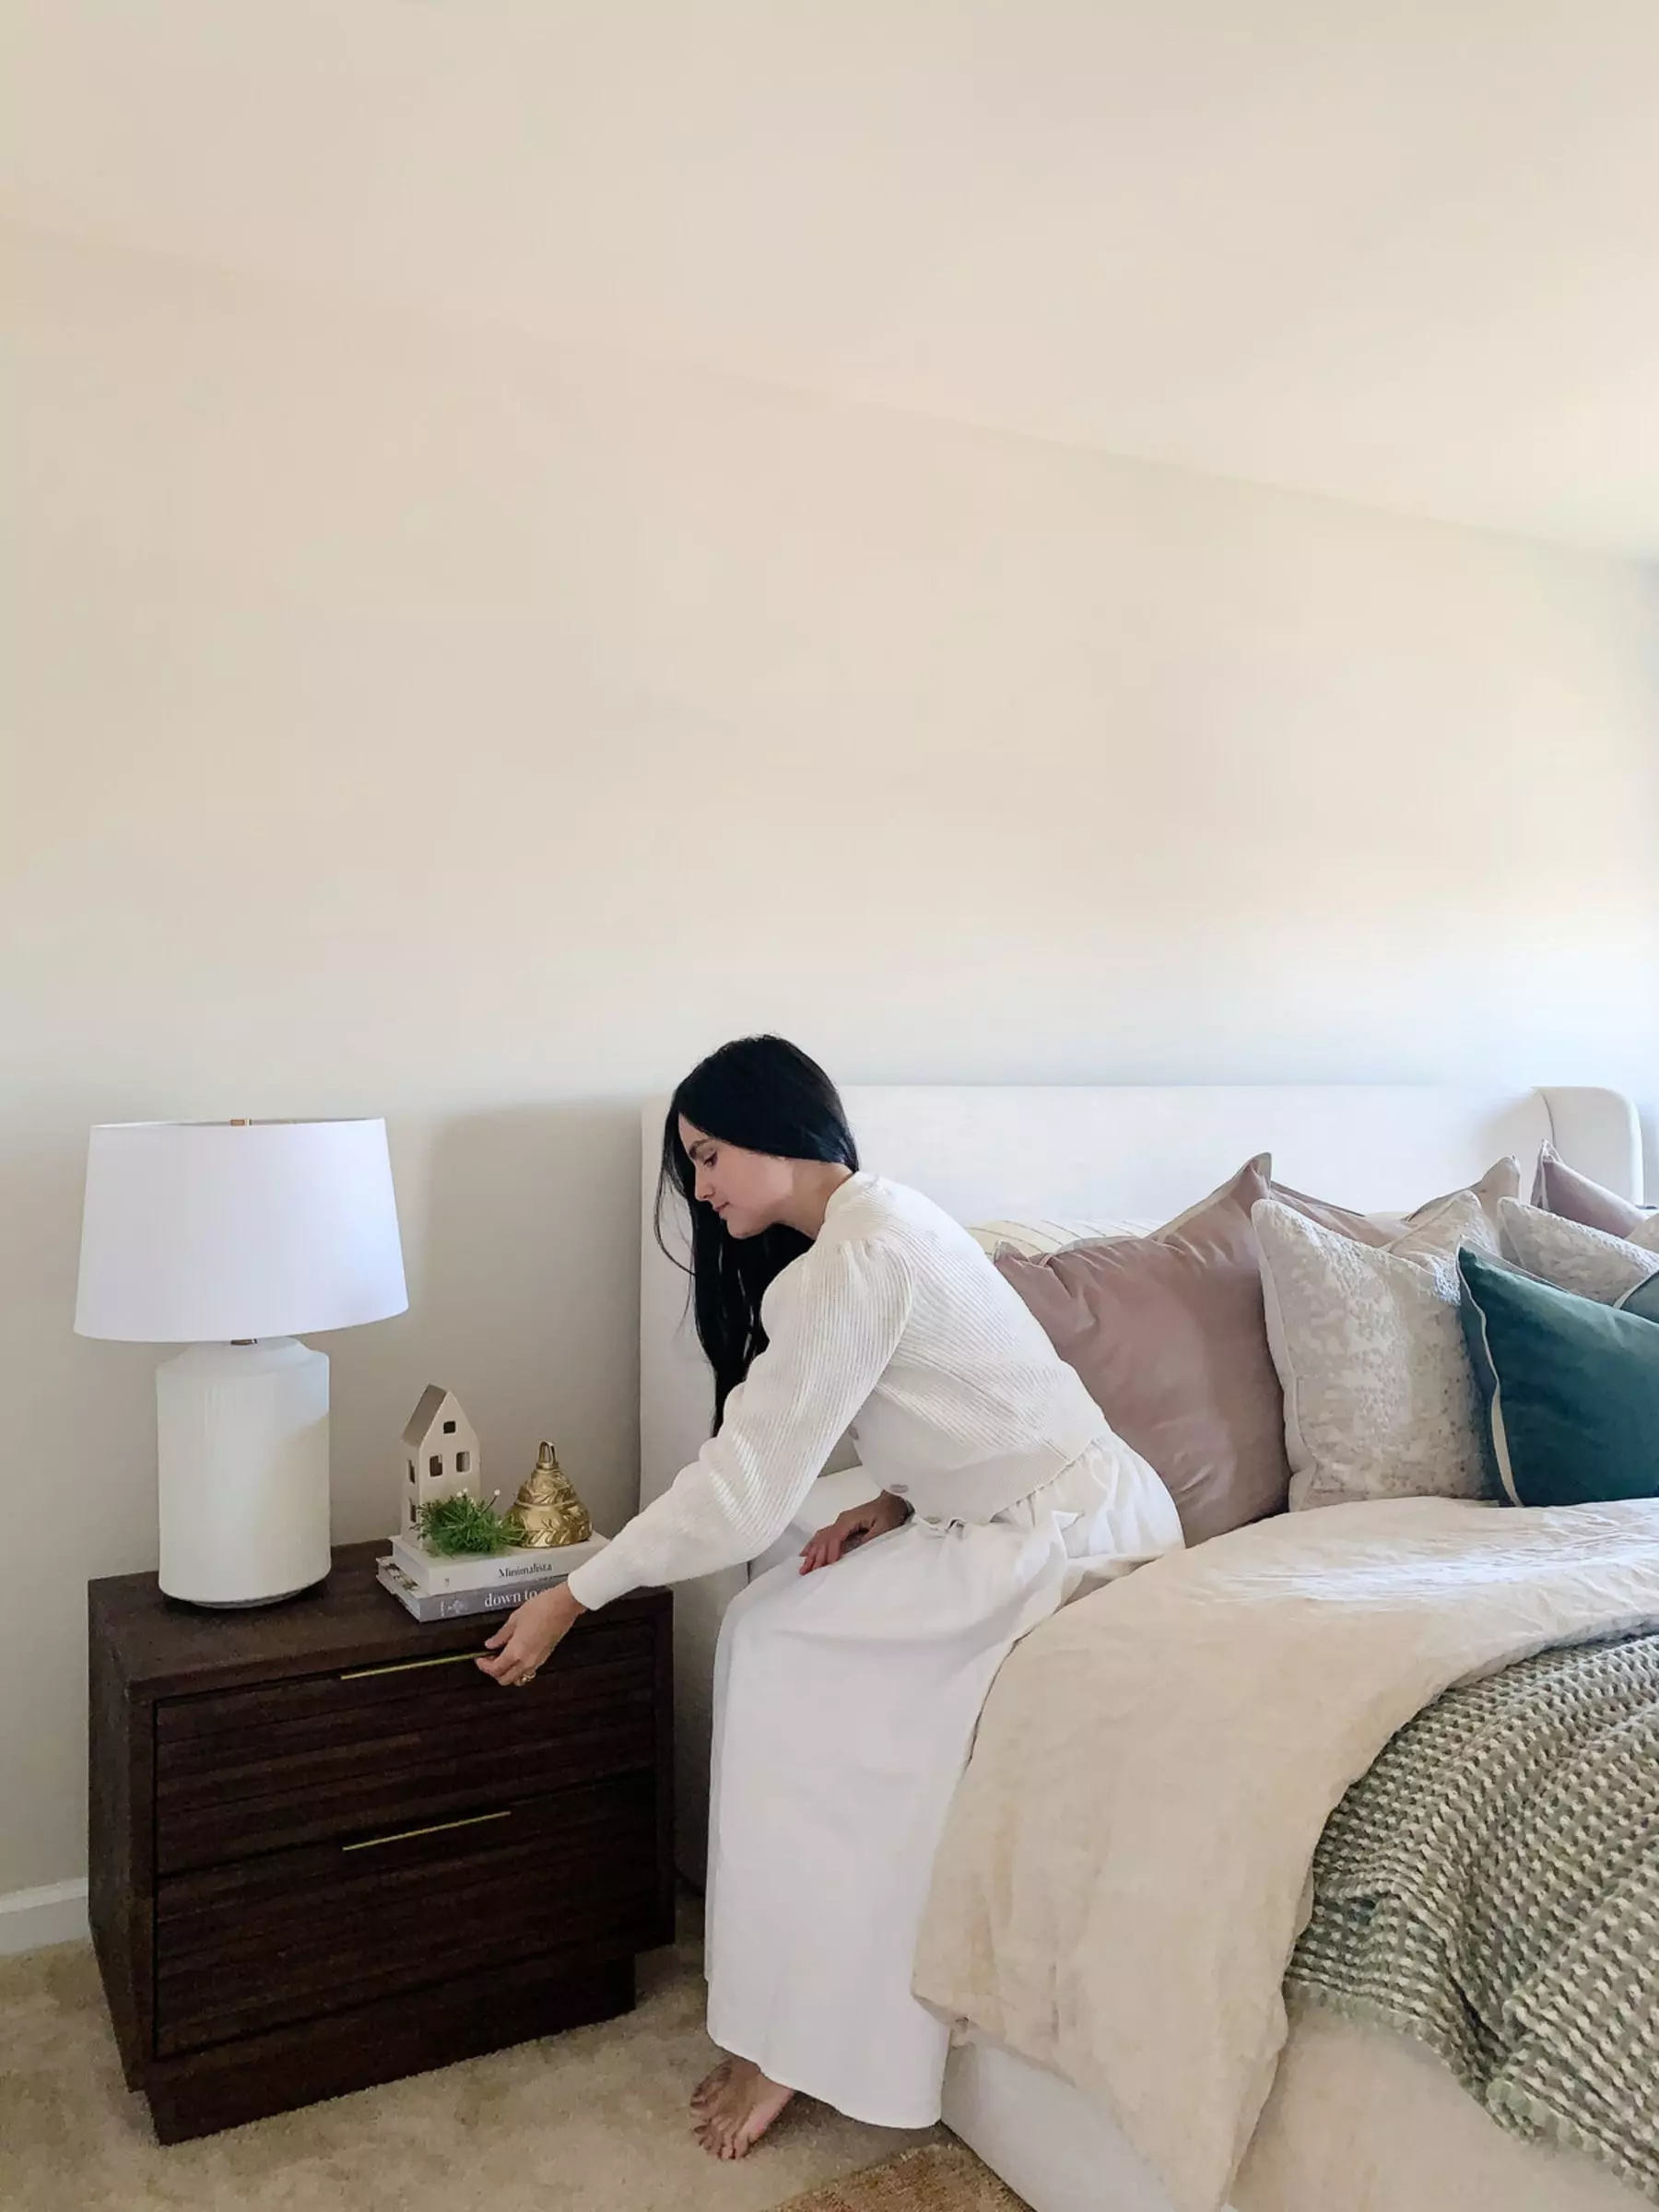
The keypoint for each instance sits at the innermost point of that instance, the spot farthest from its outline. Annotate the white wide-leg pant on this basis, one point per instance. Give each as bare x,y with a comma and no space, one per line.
845,1704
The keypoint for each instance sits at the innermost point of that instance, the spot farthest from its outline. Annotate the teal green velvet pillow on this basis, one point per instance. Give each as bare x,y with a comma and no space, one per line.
1569,1388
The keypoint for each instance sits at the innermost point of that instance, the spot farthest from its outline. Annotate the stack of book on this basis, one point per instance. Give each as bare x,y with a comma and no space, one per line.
447,1588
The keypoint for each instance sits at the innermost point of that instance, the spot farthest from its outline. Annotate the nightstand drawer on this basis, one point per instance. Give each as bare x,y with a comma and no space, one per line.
364,1749
300,1933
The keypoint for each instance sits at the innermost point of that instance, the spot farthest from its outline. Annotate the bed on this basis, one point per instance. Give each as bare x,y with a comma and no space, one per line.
1355,2116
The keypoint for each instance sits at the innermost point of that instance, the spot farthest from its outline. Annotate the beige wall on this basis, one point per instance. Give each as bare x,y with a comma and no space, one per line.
408,718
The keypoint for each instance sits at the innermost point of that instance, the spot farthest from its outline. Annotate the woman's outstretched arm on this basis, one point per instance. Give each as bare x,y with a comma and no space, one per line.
833,1321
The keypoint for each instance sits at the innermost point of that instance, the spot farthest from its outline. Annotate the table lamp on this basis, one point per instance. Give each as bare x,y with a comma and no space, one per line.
231,1238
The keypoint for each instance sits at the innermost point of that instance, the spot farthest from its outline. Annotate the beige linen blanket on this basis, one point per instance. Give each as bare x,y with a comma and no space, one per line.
1126,1868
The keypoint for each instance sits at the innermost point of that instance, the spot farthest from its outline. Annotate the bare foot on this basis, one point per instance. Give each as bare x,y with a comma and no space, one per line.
710,2087
740,2111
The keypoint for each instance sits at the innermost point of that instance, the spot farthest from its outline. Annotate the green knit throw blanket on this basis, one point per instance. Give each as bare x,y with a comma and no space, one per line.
1491,1887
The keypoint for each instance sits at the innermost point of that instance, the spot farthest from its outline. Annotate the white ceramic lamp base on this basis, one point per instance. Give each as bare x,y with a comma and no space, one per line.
242,1459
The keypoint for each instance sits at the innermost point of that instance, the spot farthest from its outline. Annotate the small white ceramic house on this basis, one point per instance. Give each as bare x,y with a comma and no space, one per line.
439,1453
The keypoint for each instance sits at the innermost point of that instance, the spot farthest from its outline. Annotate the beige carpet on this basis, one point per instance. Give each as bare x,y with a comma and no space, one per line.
590,2121
938,2177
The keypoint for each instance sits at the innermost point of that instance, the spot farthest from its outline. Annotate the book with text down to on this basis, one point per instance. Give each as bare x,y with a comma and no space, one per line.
454,1604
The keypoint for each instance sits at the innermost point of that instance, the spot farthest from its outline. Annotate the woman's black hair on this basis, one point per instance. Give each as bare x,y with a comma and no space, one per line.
765,1095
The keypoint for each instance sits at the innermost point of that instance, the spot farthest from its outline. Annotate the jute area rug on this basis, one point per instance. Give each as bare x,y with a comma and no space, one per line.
940,2177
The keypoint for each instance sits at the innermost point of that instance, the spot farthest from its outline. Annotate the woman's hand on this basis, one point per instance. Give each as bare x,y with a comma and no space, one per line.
855,1526
529,1633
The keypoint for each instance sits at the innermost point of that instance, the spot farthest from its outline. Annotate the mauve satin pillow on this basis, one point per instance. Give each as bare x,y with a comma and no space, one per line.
1559,1189
1170,1338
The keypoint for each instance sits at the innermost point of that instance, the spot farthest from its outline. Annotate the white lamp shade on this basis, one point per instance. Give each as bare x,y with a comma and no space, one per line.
202,1231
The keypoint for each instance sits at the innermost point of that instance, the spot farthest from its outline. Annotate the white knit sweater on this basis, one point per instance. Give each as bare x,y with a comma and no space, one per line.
895,1323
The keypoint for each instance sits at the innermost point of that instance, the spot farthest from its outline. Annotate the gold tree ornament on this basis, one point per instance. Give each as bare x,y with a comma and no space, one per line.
547,1509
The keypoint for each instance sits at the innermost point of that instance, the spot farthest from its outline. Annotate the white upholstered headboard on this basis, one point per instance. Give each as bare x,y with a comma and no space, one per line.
1082,1151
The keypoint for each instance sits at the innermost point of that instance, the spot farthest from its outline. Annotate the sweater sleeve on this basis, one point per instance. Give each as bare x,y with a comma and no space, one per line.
833,1321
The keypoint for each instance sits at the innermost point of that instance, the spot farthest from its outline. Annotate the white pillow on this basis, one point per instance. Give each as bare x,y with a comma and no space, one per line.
1380,1400
1575,1257
1034,1236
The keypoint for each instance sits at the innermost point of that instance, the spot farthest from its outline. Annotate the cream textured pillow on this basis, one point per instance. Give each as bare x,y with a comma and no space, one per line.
1588,1262
1380,1400
1502,1181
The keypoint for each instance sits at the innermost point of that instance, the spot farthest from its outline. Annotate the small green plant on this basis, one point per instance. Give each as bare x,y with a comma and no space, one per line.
451,1525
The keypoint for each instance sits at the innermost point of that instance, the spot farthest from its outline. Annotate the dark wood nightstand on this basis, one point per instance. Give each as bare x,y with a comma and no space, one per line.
326,1850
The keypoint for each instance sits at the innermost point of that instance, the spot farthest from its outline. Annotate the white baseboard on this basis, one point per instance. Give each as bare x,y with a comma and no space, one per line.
31,1918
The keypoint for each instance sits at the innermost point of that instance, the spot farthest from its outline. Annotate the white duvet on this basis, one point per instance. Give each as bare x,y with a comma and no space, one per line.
1126,1868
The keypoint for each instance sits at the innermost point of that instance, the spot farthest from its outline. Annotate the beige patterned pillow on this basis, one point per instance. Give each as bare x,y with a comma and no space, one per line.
1588,1262
1380,1400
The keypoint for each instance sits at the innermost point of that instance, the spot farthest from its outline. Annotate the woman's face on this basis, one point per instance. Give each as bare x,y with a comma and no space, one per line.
747,1190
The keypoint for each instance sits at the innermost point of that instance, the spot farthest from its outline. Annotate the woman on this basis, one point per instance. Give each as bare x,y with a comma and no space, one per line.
845,1702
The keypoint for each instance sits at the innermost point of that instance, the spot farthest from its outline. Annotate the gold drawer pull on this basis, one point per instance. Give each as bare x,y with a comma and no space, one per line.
436,1828
402,1667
